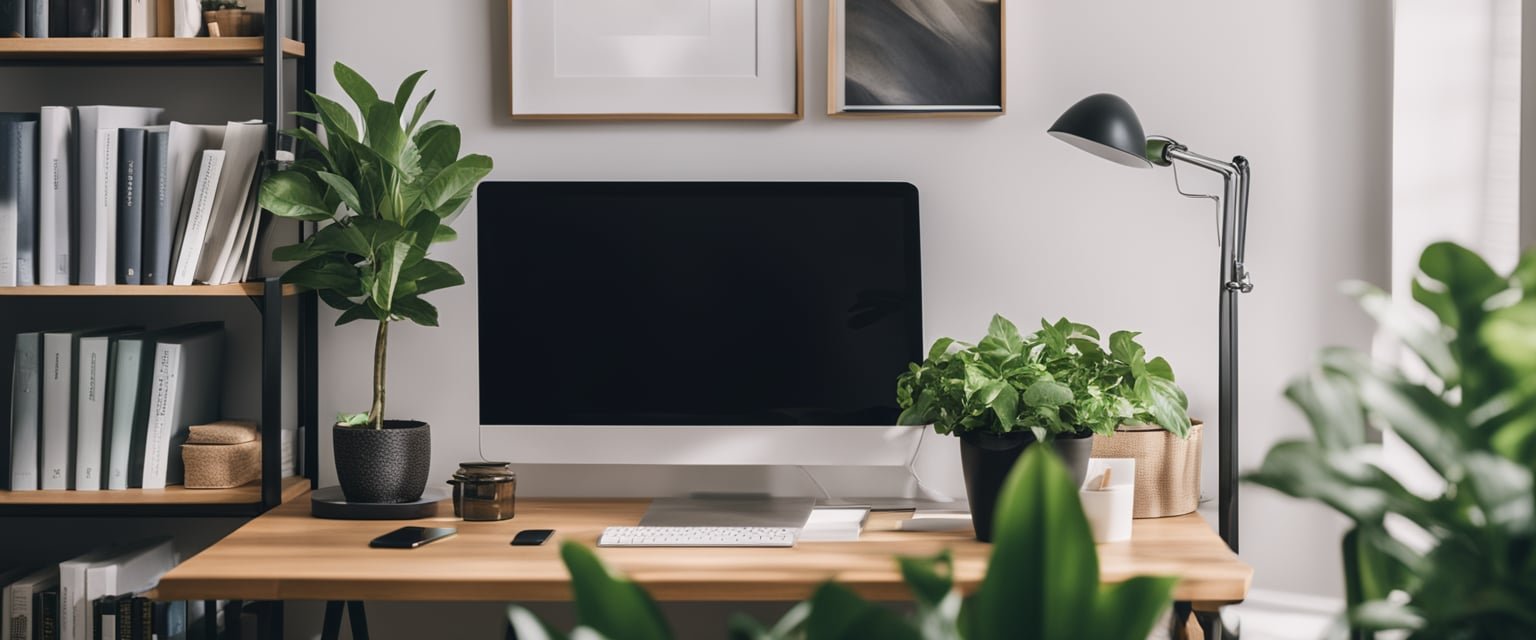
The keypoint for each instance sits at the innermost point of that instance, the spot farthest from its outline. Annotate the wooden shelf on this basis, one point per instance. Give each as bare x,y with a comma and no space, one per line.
170,501
82,291
164,50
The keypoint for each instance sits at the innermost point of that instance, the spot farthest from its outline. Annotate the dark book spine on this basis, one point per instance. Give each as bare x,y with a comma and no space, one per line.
84,19
125,626
37,18
13,18
26,203
58,18
130,205
143,618
159,218
48,621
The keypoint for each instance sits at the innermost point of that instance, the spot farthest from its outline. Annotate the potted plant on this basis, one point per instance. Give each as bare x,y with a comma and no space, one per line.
1024,594
228,14
382,185
1058,385
1459,560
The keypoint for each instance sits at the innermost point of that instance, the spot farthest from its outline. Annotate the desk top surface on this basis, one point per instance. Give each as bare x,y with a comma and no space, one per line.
288,555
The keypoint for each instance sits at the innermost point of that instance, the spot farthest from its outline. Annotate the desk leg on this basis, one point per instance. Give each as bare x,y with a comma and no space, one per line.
234,615
1210,622
359,619
269,620
332,628
1178,623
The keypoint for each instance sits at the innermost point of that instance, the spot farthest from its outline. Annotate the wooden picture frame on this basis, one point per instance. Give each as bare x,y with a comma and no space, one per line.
798,112
836,76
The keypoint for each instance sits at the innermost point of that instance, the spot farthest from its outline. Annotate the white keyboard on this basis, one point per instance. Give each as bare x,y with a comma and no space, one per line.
697,537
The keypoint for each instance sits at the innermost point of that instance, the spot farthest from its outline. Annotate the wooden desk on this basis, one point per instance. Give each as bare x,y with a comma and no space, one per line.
288,555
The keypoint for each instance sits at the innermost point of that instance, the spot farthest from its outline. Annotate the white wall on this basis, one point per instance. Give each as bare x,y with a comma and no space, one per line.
1014,222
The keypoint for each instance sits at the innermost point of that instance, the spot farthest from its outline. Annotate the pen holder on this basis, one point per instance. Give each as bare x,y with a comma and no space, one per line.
1109,512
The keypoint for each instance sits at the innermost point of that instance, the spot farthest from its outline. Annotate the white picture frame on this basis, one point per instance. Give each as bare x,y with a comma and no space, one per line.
656,59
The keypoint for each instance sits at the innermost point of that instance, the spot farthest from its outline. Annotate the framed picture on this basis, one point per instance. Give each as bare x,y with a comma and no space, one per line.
656,59
916,58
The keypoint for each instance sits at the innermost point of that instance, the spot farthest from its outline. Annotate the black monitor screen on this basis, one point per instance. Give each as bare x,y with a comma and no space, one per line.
696,303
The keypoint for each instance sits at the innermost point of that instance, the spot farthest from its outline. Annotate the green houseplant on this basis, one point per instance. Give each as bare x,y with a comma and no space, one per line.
383,186
1059,385
1042,582
1471,571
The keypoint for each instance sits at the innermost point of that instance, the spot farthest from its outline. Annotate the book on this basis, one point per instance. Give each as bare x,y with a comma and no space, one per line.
169,620
113,18
55,138
163,16
92,407
73,604
85,19
186,387
7,578
20,615
138,19
18,193
104,617
237,267
58,410
125,621
26,405
129,397
96,186
243,143
37,18
184,146
187,18
834,524
143,619
129,569
46,608
130,204
155,250
13,18
200,196
58,18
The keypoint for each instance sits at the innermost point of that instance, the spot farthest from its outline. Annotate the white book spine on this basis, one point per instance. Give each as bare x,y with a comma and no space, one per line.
26,402
99,263
90,411
100,582
138,18
10,212
162,409
18,620
58,404
114,21
5,610
201,209
55,129
71,597
125,395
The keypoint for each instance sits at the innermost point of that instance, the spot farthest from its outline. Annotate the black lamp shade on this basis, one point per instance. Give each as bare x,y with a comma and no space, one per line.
1104,125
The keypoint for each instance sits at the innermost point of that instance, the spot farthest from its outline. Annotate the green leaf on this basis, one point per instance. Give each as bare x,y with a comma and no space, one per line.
421,108
1004,330
1131,608
1167,404
1047,393
365,311
444,233
388,261
290,194
438,145
325,272
352,419
1159,367
362,93
431,275
343,189
416,310
930,578
455,180
1462,274
292,253
1123,347
340,128
1328,399
839,614
408,86
1426,343
615,607
1044,572
388,140
1510,335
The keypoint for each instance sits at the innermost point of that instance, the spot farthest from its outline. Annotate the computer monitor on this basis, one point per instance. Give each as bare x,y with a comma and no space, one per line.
697,322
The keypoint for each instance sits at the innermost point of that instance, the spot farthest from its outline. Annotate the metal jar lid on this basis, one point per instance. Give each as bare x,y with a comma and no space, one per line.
485,472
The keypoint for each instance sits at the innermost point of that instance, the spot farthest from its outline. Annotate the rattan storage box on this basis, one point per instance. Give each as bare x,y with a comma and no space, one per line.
1167,467
222,455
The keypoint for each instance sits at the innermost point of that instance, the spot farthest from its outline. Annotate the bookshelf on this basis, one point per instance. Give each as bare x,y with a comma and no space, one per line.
125,50
287,64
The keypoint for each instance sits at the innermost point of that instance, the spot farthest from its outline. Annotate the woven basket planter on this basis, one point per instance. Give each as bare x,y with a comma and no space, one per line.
1167,468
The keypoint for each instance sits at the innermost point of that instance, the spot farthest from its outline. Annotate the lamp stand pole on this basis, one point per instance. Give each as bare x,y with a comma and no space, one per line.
1234,281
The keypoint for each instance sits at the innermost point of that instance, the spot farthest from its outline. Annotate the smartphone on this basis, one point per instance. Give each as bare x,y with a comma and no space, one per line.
531,537
411,537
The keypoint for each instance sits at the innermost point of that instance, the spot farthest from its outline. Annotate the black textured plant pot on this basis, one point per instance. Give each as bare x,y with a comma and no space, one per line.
388,465
987,458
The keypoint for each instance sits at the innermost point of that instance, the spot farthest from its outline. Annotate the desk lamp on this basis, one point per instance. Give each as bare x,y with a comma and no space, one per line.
1106,126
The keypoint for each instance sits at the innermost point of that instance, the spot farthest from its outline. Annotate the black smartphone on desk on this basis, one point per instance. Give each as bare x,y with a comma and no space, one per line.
411,537
531,537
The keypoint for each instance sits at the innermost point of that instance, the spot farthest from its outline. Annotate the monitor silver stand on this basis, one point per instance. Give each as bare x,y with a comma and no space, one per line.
728,510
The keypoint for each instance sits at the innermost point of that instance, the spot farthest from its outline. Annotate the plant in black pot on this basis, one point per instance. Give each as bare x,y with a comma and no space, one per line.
382,186
1058,385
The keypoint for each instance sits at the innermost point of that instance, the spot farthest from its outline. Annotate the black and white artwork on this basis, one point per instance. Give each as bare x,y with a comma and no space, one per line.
918,55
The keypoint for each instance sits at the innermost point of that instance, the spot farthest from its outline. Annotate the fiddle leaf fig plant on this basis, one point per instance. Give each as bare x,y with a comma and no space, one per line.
1058,380
382,186
1041,582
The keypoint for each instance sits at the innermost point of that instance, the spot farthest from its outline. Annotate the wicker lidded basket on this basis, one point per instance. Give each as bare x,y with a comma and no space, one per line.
1167,468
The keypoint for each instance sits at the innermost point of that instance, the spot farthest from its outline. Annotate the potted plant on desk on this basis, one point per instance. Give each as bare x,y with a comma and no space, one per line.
1058,385
382,187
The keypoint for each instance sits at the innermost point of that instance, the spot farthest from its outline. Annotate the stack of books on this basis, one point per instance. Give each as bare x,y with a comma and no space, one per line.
100,18
110,408
99,595
100,195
